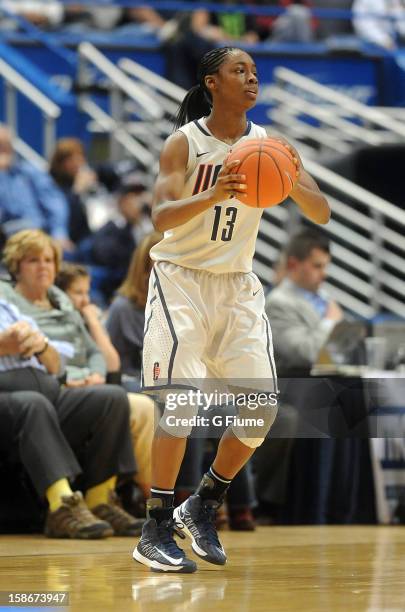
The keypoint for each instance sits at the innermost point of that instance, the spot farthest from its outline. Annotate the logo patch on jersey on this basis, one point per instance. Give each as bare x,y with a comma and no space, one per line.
156,370
200,154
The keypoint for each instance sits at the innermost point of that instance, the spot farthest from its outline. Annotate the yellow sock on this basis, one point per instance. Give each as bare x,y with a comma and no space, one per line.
99,494
55,491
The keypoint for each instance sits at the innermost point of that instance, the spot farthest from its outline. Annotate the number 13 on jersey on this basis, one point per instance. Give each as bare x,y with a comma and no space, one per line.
224,222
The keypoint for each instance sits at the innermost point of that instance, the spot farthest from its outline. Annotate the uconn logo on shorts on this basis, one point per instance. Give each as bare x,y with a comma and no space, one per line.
156,370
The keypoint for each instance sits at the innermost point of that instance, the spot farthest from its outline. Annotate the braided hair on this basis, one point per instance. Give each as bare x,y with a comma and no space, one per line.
198,101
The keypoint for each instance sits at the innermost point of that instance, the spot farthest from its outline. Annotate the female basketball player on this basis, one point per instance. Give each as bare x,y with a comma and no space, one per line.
205,313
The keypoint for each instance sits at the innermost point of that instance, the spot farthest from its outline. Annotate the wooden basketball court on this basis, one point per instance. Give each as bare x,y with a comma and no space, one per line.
274,569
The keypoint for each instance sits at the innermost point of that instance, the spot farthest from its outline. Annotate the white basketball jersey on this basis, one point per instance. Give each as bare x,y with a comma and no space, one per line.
221,239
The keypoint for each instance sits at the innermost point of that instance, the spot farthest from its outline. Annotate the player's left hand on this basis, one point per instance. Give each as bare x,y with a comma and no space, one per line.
295,155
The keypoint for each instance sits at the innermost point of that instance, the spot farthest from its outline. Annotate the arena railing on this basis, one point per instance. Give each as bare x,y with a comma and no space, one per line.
297,106
379,249
14,83
119,88
24,150
334,131
366,232
285,77
376,233
148,76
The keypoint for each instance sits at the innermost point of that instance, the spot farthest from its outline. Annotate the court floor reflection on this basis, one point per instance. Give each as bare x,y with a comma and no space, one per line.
275,569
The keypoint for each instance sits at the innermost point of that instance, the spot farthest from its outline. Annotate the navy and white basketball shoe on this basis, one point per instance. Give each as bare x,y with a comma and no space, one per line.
158,549
196,517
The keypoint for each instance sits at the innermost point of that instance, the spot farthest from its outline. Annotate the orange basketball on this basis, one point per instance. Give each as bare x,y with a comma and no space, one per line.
269,169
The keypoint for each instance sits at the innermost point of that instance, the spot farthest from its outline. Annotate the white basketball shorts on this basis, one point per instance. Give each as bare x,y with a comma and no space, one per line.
200,326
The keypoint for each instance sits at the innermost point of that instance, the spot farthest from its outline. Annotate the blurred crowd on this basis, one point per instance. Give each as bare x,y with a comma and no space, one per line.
97,216
187,35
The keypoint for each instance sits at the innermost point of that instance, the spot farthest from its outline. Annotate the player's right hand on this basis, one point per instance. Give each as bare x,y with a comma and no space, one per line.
228,183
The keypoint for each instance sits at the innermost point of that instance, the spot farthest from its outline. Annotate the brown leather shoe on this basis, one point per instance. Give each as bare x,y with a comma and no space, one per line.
241,519
123,524
74,520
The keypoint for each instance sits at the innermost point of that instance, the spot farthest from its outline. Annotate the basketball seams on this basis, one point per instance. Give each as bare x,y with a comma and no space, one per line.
283,151
279,146
265,145
279,172
245,158
258,175
286,153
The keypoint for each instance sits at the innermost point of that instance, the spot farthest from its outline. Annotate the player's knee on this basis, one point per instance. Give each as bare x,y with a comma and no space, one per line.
252,426
252,442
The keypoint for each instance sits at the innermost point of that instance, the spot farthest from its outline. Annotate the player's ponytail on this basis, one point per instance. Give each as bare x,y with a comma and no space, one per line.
197,101
194,106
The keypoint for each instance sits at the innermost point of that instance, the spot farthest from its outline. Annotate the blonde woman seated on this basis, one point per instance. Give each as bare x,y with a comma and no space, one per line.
33,260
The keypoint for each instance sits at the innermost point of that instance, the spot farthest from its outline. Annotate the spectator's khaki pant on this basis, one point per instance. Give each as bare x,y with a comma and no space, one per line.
143,420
